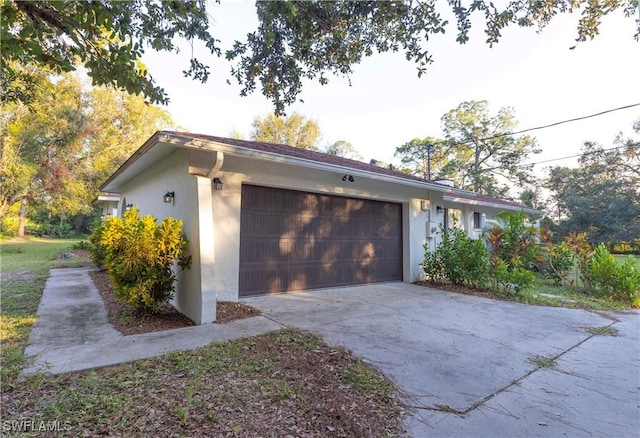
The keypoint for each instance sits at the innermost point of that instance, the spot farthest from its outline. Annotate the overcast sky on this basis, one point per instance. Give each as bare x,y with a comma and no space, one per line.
387,105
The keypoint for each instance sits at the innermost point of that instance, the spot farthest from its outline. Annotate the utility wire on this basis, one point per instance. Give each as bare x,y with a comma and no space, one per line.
576,119
565,158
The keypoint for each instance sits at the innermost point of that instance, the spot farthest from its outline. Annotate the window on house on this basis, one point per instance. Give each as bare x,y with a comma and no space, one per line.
477,220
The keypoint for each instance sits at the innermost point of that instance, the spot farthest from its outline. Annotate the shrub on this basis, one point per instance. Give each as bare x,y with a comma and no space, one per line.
98,251
139,255
459,259
513,251
620,281
432,265
557,259
510,281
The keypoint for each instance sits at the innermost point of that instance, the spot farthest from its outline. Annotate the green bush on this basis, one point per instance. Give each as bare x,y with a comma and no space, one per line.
558,262
510,281
98,251
139,255
458,258
513,251
620,281
432,265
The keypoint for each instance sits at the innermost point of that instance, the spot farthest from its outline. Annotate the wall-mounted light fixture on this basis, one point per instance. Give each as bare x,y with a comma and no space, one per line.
349,178
424,205
439,209
168,198
127,207
217,183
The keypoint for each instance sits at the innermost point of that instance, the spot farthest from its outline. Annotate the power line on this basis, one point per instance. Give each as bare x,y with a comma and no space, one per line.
561,158
576,119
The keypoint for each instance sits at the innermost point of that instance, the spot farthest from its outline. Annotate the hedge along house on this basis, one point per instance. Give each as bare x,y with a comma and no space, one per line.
265,218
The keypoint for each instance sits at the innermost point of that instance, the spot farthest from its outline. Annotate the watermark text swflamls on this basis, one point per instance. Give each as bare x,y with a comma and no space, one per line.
31,425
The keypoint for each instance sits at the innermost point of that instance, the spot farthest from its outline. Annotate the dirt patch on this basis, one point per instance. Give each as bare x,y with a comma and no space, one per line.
129,321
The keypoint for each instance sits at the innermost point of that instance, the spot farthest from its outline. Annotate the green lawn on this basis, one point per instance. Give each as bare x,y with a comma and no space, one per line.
24,269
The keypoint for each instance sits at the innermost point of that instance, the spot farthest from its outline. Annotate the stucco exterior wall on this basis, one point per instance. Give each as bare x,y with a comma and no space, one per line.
147,191
227,203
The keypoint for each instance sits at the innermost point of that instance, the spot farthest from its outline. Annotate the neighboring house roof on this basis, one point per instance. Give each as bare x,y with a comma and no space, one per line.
305,157
107,197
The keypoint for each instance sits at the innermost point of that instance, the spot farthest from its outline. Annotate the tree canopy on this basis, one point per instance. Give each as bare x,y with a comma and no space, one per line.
59,148
294,41
294,130
476,152
602,195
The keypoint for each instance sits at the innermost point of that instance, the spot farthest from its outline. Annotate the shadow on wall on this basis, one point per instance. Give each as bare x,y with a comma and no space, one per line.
291,240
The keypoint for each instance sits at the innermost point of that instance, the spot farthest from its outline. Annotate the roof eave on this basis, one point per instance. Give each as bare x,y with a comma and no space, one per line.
495,205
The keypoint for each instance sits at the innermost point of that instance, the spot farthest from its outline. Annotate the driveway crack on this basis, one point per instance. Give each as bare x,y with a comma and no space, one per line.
482,401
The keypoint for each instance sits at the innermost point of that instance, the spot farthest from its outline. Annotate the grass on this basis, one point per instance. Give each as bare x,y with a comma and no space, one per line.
281,383
547,293
603,331
542,362
24,269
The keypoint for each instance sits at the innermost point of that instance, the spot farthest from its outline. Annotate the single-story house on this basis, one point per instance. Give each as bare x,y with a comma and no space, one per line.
108,203
267,218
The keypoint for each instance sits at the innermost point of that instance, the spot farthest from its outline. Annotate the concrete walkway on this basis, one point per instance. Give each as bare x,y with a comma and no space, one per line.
72,332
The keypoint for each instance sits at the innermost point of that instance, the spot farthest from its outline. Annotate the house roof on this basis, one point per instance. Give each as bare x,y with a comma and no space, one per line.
309,158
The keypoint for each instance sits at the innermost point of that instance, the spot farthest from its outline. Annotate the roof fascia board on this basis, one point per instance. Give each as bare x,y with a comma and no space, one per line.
151,142
272,156
491,204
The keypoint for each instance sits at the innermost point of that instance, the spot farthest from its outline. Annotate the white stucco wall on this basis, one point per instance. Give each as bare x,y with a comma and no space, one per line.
227,202
147,190
212,217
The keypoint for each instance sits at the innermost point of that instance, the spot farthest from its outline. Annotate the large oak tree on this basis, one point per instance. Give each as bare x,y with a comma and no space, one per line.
295,40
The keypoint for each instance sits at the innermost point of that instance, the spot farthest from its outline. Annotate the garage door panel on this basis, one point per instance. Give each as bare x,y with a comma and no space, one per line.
292,240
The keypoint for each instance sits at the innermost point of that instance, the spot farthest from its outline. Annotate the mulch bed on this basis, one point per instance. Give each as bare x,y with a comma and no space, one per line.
129,321
459,288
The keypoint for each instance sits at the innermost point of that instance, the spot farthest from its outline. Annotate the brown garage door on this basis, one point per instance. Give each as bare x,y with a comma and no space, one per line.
291,240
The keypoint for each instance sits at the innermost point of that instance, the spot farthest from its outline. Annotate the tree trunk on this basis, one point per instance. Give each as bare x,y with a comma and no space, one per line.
22,217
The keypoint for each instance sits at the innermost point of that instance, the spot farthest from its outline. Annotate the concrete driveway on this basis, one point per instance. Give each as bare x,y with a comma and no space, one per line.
463,362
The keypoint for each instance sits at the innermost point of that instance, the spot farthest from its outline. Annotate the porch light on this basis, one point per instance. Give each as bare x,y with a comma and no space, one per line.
168,198
439,209
126,208
217,183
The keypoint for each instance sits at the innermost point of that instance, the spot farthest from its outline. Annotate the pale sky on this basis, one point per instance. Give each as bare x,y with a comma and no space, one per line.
387,105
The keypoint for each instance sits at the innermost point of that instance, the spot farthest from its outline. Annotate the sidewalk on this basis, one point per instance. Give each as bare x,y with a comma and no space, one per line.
72,332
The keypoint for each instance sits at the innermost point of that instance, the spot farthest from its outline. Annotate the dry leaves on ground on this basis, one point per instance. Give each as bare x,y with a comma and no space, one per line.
128,321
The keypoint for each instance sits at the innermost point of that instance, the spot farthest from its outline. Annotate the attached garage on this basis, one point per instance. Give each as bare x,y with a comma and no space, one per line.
266,218
293,240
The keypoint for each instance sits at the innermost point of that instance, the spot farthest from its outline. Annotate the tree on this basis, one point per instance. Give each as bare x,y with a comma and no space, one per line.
57,150
422,157
43,141
294,130
343,149
309,40
295,40
108,37
602,195
480,149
